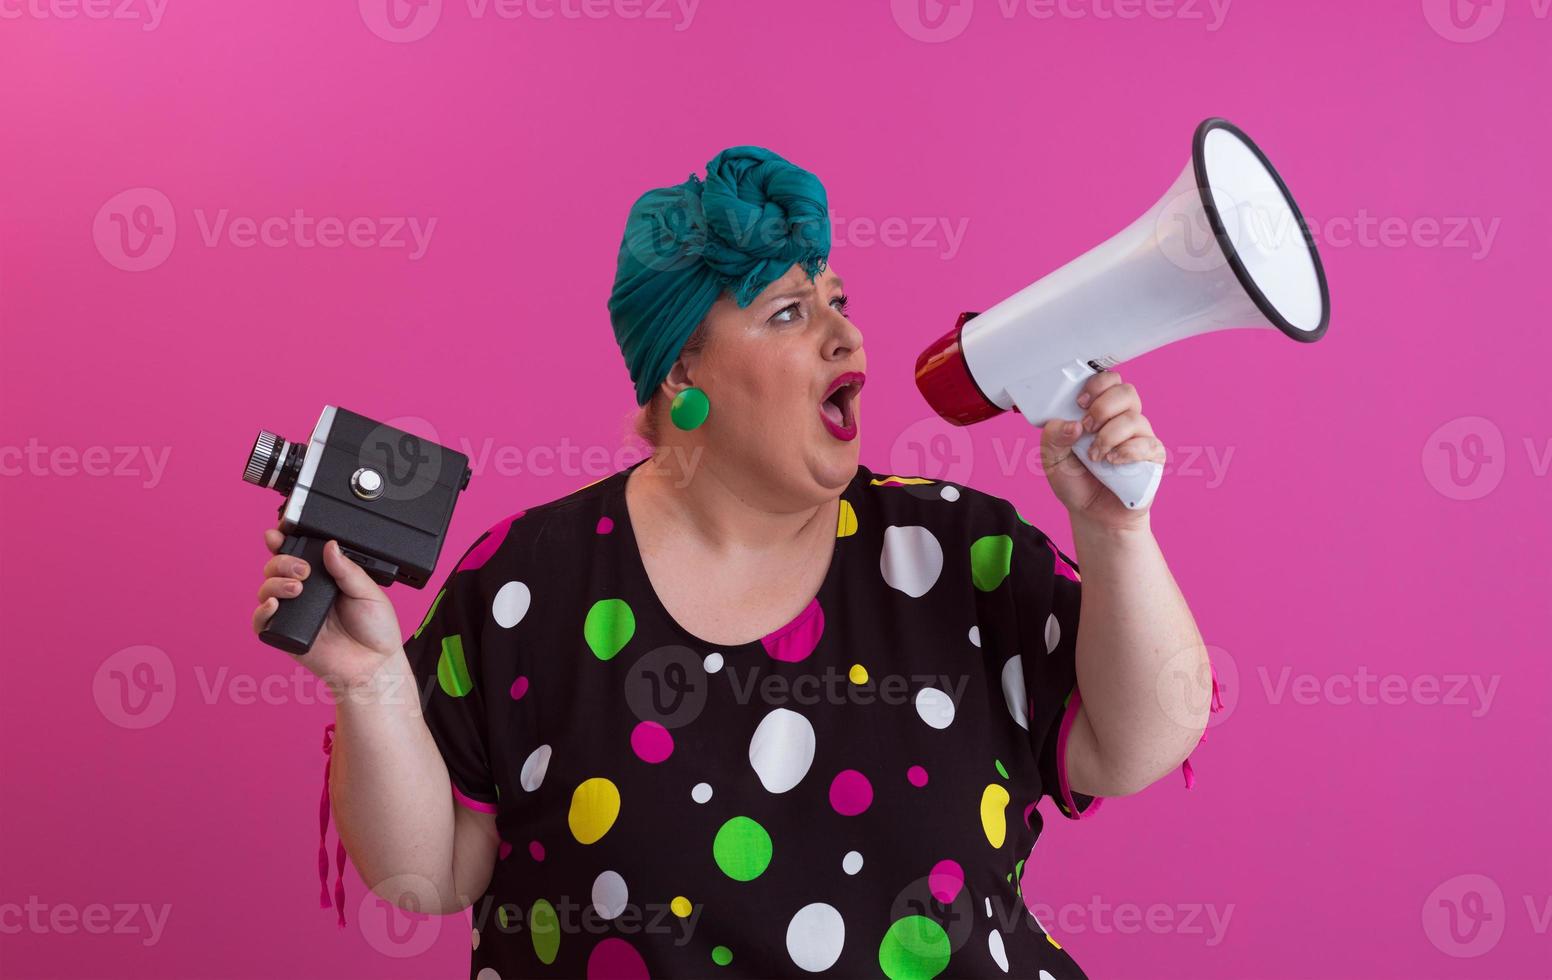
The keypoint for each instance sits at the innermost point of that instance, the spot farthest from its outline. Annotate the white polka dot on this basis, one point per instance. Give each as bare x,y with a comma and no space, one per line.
701,793
713,662
975,635
1045,976
815,937
511,604
1014,692
988,906
911,560
935,707
782,749
534,768
487,974
475,939
610,894
949,493
851,863
1053,633
994,940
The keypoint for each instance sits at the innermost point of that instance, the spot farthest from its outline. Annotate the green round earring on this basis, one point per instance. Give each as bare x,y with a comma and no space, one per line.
689,408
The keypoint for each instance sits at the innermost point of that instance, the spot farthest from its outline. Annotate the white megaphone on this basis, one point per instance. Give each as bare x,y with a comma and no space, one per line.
1225,247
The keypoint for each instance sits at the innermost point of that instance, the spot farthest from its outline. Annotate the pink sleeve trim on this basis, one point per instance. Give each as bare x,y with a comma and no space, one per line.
1069,808
472,803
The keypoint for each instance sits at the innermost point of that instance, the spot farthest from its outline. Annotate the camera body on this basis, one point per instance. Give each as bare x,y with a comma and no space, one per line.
385,495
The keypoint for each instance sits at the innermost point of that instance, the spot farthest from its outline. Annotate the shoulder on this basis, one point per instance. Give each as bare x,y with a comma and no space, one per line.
542,534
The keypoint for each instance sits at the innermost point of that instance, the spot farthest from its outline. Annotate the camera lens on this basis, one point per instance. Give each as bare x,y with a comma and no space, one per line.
274,462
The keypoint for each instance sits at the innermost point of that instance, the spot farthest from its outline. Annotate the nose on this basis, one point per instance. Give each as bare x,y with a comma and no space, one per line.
844,338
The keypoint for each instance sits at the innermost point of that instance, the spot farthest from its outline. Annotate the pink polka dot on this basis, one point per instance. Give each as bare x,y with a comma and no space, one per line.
945,880
519,688
917,775
850,793
504,849
536,850
616,959
651,742
795,641
489,544
605,525
1027,811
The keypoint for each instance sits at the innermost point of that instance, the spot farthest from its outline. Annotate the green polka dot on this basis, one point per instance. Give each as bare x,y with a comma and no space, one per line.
452,670
1000,770
1023,518
914,948
544,926
501,917
610,625
990,557
721,955
742,849
429,613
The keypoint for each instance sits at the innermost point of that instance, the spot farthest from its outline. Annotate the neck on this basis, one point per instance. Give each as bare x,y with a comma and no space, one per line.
686,494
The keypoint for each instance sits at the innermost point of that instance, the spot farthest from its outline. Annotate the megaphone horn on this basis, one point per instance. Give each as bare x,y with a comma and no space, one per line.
1225,247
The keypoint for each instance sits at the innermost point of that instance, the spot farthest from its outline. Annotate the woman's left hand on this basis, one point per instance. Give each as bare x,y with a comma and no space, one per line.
1114,414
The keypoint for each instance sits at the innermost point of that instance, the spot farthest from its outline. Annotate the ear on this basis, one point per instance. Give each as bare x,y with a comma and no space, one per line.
678,379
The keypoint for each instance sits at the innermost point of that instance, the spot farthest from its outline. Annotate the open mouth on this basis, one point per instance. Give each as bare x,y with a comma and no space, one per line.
838,409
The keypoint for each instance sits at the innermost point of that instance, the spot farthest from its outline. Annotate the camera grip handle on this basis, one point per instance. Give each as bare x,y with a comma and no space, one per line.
297,620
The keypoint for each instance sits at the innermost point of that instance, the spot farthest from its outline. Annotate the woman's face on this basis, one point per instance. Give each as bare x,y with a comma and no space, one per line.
766,369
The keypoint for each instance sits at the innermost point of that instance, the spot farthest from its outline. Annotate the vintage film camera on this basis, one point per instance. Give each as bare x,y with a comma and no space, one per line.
385,494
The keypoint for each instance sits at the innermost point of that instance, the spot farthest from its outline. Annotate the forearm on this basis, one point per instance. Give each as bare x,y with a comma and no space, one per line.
389,788
1141,663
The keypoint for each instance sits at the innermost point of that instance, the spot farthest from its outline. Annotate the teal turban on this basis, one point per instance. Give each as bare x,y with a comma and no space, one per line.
739,230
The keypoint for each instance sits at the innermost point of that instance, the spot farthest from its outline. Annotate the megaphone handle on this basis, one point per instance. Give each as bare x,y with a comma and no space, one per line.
297,620
1133,483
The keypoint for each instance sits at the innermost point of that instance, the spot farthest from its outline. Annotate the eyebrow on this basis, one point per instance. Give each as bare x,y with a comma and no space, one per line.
840,284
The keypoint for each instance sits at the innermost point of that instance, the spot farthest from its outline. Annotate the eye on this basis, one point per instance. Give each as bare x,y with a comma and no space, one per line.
845,302
776,318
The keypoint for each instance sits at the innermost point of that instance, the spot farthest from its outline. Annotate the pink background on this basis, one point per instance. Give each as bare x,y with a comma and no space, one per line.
1378,505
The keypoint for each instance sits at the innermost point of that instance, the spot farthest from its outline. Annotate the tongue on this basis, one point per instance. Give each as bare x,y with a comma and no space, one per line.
832,411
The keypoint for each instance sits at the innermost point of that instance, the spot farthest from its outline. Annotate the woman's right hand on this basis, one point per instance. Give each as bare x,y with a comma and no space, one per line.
359,633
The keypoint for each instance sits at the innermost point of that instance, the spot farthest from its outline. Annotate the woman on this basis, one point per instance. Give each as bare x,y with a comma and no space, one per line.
746,707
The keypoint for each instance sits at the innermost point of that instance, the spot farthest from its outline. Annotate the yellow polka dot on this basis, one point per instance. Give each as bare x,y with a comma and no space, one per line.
858,674
1052,941
993,820
681,906
594,806
846,523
